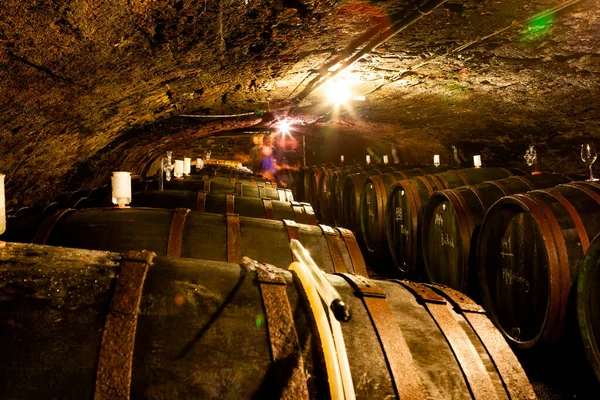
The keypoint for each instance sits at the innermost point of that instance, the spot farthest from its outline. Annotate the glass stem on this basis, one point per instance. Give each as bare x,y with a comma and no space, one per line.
591,175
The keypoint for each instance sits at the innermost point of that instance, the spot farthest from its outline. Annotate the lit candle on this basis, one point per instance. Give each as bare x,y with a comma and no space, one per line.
368,159
342,158
178,169
187,165
2,206
121,188
436,160
385,159
477,161
199,163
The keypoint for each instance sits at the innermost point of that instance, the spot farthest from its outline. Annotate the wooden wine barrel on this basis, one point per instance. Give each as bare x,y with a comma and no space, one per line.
588,305
325,193
314,182
226,204
219,186
351,197
184,233
246,180
529,252
89,324
336,186
451,222
405,208
372,206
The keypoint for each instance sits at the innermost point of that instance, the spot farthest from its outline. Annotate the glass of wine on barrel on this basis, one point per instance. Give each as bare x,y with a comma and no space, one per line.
588,156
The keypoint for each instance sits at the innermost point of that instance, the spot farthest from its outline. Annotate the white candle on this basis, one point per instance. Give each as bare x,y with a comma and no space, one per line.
436,159
199,163
368,159
187,165
342,158
178,169
2,206
121,188
477,161
385,159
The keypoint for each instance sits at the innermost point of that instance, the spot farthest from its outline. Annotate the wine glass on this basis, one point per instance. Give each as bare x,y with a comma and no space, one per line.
588,156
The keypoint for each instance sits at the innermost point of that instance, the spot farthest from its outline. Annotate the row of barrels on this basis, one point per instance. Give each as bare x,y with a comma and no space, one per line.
524,278
404,340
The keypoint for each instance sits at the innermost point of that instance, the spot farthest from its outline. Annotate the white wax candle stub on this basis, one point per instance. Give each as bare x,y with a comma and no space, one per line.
178,168
187,165
436,159
477,161
2,206
385,159
368,159
342,158
199,163
121,188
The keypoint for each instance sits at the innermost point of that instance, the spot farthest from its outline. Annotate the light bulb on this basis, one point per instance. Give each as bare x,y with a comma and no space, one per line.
436,160
477,161
385,159
342,158
187,165
199,163
368,159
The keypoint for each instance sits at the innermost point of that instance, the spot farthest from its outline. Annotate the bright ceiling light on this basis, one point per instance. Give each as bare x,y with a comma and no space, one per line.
338,91
284,126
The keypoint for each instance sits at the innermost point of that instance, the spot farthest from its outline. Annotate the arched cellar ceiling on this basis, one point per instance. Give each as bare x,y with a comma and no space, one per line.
87,87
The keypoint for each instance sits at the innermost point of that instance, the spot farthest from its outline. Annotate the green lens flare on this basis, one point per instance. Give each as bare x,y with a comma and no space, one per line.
537,29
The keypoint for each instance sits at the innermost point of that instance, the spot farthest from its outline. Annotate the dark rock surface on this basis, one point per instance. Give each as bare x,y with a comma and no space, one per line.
87,87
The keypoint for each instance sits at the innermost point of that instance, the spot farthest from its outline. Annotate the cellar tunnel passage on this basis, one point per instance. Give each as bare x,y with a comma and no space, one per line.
88,88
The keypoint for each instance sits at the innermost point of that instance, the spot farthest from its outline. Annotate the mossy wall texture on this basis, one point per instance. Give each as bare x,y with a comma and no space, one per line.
90,86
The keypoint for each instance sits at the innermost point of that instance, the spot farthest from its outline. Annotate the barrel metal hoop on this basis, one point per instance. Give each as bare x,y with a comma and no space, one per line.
462,177
286,353
422,293
584,188
299,213
115,363
311,219
229,204
460,301
403,372
508,172
262,192
425,182
509,368
581,232
234,240
524,180
466,355
358,263
500,186
201,201
43,233
206,185
239,191
335,251
176,232
543,217
281,194
268,207
293,232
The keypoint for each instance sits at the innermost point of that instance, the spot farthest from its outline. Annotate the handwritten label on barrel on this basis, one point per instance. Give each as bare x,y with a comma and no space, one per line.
511,277
439,220
506,248
399,214
447,241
